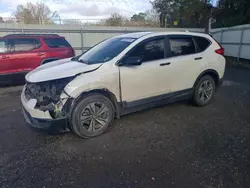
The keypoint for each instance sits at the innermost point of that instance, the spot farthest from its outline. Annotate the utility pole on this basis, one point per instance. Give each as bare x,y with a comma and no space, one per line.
209,17
165,23
211,21
59,20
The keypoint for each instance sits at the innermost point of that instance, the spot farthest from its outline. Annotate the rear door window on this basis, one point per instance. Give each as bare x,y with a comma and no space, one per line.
23,44
57,43
3,46
181,45
202,43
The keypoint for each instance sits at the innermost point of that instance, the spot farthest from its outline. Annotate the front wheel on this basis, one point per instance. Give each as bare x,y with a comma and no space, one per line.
92,116
204,91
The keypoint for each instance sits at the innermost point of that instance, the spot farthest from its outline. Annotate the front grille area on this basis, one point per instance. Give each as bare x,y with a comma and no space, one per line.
30,91
46,93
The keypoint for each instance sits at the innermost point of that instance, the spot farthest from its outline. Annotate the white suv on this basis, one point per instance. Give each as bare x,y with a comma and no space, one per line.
121,75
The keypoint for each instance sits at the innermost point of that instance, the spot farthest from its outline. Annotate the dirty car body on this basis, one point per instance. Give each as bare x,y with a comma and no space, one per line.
53,90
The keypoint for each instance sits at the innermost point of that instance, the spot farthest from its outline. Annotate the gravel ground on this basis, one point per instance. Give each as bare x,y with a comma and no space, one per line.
178,145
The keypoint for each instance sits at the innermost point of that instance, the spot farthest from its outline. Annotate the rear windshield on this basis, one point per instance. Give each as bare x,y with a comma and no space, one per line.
57,42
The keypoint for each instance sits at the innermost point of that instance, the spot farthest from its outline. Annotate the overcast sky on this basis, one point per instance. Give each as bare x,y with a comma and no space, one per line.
83,9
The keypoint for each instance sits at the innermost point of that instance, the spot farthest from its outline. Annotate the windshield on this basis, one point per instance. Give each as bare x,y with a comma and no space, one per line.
106,50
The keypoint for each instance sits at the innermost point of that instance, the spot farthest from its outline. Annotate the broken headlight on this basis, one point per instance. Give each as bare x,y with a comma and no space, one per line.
46,93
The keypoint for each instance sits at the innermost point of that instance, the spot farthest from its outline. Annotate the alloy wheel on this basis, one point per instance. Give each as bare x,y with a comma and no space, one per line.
205,91
94,116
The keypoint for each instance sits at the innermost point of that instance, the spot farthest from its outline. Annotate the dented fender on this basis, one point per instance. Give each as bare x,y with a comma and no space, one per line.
104,78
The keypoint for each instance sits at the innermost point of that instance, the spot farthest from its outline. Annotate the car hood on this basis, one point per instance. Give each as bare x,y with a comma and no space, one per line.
59,69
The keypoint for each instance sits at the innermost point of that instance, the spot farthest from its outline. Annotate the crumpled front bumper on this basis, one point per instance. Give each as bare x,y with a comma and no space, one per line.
41,120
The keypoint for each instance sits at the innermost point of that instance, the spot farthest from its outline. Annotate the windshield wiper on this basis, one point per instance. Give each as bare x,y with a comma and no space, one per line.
75,58
78,60
81,61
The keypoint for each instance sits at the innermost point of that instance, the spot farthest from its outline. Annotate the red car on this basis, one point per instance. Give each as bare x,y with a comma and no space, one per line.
21,53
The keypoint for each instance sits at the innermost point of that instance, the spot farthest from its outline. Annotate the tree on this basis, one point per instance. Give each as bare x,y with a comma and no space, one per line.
164,8
1,20
191,13
152,15
138,17
115,20
10,21
232,12
34,14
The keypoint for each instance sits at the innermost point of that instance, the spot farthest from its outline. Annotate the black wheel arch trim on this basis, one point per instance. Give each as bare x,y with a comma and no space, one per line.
69,105
208,72
49,59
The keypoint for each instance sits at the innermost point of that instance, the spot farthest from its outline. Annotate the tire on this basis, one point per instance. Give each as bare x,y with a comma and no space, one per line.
203,93
87,119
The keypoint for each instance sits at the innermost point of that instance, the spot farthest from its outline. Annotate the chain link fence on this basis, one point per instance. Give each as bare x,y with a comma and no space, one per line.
81,37
83,22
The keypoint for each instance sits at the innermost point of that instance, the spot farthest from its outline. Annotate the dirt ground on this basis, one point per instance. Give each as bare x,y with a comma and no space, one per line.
178,145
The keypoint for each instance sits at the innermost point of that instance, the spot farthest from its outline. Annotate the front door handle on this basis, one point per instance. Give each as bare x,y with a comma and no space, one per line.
198,58
5,57
164,64
40,54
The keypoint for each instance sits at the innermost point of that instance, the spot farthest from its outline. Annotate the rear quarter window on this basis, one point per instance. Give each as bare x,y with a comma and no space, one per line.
57,43
202,43
3,46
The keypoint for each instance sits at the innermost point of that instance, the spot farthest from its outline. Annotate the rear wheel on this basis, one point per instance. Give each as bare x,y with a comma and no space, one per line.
204,91
92,116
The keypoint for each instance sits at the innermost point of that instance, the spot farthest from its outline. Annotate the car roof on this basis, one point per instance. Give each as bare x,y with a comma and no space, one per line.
31,36
179,33
137,35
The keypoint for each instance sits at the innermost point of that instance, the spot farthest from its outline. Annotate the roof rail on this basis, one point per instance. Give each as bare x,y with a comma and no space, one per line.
20,35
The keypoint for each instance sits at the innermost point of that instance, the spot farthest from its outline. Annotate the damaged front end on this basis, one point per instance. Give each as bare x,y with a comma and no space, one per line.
49,96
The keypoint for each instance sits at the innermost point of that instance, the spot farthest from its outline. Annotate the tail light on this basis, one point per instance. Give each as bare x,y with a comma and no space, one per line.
220,51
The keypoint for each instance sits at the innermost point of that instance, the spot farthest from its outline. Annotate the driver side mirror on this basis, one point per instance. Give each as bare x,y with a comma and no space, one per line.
132,61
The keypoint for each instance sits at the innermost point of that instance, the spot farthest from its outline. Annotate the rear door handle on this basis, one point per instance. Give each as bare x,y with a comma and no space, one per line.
198,58
164,64
5,57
